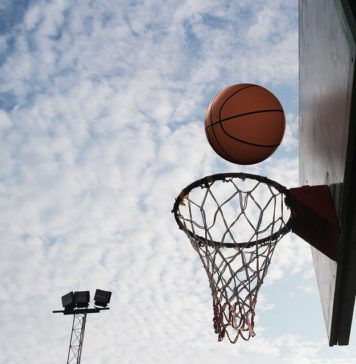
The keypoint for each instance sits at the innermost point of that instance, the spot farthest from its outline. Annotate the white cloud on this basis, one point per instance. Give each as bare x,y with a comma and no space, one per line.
5,121
105,129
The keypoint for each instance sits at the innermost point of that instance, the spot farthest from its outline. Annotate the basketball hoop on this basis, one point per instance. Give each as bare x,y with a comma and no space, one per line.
234,222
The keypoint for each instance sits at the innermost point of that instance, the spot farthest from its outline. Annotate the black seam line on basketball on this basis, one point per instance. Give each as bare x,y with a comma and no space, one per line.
220,121
246,142
211,119
229,157
212,104
244,114
240,140
233,94
216,139
221,147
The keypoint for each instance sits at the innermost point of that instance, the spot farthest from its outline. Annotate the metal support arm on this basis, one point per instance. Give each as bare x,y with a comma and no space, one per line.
314,218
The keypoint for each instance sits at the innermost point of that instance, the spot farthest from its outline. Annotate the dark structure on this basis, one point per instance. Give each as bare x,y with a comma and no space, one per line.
77,304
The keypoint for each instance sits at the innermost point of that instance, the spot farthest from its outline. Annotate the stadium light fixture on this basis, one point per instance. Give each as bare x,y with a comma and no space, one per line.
82,299
77,304
68,301
102,298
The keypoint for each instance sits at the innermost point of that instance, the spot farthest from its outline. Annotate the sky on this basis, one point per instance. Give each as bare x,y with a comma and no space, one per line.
102,124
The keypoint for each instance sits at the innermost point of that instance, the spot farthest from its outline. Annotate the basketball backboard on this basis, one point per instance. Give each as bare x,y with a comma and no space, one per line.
327,91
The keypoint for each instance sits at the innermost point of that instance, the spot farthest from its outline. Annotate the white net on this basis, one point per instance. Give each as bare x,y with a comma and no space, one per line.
234,222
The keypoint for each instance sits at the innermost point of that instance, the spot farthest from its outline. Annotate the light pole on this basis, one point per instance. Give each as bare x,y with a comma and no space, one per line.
77,304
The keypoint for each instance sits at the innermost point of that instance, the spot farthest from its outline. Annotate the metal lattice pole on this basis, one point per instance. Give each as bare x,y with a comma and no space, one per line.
77,304
76,338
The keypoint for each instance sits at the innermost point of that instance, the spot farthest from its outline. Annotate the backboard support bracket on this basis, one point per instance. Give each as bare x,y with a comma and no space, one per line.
314,218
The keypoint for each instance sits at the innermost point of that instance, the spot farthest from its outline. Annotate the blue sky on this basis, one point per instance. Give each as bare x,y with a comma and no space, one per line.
101,125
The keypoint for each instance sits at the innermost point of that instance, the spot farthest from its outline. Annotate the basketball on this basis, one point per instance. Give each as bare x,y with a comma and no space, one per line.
244,123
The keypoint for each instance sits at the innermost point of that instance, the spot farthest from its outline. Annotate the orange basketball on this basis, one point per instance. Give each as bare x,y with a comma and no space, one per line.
245,123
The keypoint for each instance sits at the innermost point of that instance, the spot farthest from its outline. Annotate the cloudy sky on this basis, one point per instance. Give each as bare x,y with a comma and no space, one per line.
101,125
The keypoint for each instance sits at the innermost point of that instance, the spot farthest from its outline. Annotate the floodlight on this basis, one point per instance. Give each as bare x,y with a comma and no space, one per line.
82,298
102,298
77,304
68,301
